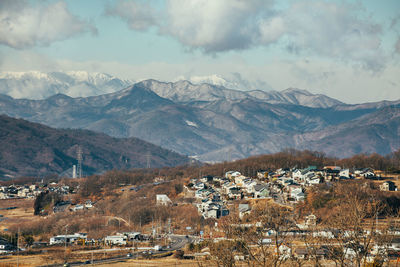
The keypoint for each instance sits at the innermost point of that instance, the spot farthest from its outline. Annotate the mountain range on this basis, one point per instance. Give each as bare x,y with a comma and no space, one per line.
32,149
40,85
215,123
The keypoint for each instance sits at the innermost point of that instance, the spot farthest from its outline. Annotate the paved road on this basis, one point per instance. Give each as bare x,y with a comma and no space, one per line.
178,242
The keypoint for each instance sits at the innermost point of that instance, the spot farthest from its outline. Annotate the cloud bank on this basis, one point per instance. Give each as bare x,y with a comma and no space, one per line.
334,30
23,25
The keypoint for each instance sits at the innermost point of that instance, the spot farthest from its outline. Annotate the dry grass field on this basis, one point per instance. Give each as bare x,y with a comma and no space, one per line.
22,261
23,212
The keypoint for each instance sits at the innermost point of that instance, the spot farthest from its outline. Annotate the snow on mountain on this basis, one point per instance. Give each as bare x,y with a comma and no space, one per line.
233,81
40,85
184,91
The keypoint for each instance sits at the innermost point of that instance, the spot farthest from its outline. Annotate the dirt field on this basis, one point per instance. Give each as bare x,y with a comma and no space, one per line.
23,212
23,261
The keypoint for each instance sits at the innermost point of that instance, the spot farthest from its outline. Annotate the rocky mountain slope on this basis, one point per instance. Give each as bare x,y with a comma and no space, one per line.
215,123
184,91
34,149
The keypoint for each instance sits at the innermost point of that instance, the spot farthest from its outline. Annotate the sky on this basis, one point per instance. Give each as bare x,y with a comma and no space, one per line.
347,49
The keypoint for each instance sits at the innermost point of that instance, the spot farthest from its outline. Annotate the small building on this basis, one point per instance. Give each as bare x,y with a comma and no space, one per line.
163,200
235,193
262,174
67,239
78,207
6,247
260,191
119,240
232,174
243,210
388,186
311,220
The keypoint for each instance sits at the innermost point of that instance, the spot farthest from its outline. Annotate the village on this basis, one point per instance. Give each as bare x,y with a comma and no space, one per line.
284,186
215,198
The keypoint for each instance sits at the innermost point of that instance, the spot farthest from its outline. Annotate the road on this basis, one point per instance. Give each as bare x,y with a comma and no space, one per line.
178,242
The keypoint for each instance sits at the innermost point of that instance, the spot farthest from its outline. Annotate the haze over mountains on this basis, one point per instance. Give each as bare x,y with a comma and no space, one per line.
215,123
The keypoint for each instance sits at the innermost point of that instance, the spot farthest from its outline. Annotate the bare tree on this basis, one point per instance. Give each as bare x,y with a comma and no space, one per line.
355,228
266,241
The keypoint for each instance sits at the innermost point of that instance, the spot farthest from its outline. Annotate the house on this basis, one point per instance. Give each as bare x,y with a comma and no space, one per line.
115,240
23,192
232,174
345,173
248,185
235,192
388,186
330,174
61,206
305,253
67,239
299,174
199,185
260,191
298,196
313,181
295,190
227,186
78,207
262,174
6,247
215,211
239,179
395,244
134,236
163,200
336,168
285,252
311,220
88,204
243,210
364,172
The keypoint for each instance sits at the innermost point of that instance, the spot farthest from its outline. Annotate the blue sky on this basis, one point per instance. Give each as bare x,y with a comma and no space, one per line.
348,50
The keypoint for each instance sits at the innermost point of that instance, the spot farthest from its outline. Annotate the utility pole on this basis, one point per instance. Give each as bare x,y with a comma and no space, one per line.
80,159
148,157
18,248
65,243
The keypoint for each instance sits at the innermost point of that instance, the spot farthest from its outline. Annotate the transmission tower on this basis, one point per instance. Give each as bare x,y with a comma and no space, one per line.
148,160
80,159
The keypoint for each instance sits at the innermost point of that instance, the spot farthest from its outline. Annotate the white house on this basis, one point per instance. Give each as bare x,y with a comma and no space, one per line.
115,240
345,173
232,174
163,199
69,239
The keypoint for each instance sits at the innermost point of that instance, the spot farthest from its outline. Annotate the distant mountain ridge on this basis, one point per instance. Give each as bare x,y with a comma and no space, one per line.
33,149
214,123
41,85
38,85
185,91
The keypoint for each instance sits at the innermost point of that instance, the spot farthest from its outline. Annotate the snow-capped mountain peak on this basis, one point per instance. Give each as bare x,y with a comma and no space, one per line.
40,85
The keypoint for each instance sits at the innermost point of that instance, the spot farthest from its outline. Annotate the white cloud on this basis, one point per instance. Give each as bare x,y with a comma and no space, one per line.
340,31
334,30
397,46
138,15
23,25
215,26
